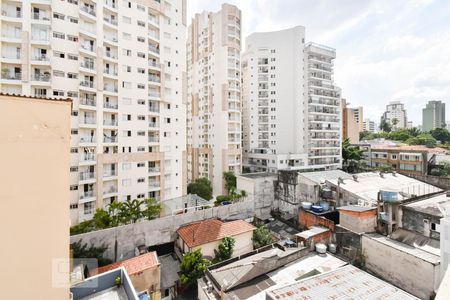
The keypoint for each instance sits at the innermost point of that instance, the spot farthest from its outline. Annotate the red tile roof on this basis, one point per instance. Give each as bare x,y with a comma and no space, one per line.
207,231
133,265
409,148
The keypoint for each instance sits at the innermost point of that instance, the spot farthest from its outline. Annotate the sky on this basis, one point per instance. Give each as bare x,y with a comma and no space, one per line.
386,49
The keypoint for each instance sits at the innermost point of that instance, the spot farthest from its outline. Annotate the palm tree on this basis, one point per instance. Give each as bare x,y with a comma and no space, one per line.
114,212
130,211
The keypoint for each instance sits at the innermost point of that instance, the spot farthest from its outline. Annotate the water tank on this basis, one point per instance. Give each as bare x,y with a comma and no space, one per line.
321,248
306,205
332,248
325,205
317,208
327,193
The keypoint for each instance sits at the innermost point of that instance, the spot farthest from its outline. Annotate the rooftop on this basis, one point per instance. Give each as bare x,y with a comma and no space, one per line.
257,175
438,206
133,265
321,176
203,232
170,267
356,208
281,230
369,184
314,230
346,283
412,244
401,147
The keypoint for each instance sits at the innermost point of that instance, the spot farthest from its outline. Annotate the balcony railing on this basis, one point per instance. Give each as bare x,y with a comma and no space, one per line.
111,4
111,39
153,124
109,122
87,175
110,106
41,77
110,88
153,49
153,139
154,94
87,83
110,139
154,169
87,64
16,14
88,120
88,157
110,72
153,20
88,10
154,185
87,194
153,34
87,47
11,35
12,76
88,102
153,109
111,55
110,190
154,78
87,139
152,63
41,57
109,173
14,56
39,16
110,21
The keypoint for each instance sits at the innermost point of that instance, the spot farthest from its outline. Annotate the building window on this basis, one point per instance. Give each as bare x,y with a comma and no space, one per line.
88,208
58,16
59,35
141,180
72,38
126,182
73,20
74,187
74,206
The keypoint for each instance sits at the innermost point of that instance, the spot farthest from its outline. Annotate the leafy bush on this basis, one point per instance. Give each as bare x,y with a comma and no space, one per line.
192,267
225,250
201,187
81,250
261,237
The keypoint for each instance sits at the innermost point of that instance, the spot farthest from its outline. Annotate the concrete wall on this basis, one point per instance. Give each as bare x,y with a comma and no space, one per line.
34,193
358,221
441,182
307,220
348,242
148,280
243,244
260,190
413,220
162,230
404,270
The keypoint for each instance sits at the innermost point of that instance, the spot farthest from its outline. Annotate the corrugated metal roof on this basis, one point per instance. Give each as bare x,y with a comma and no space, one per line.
344,283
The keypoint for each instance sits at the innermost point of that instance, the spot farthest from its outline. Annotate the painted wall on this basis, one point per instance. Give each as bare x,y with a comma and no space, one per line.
34,193
358,221
243,244
148,280
404,270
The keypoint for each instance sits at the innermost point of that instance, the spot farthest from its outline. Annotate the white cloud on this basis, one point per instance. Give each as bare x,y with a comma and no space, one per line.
387,50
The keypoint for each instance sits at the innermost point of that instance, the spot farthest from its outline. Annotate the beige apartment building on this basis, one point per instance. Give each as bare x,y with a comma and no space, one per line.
34,209
123,64
214,95
352,122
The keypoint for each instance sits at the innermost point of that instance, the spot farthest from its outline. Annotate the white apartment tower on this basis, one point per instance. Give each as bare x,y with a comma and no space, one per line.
214,95
369,125
291,107
395,115
123,64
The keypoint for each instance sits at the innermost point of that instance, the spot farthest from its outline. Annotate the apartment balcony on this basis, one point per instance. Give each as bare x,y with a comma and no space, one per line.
110,21
110,88
89,12
88,67
153,50
87,140
11,16
112,106
40,59
42,40
87,121
326,129
111,55
153,125
110,139
153,139
154,65
86,196
41,79
109,173
154,185
111,5
88,104
112,40
87,84
87,176
11,76
154,94
87,159
154,21
154,170
154,78
110,123
154,109
110,73
319,110
110,191
234,162
41,18
153,36
12,37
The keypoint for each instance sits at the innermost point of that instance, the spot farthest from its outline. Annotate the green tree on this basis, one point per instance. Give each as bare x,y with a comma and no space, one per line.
441,134
441,170
192,267
351,155
102,219
385,126
363,135
230,181
81,250
394,122
130,211
152,209
225,249
114,213
201,187
400,135
83,227
422,139
414,131
261,237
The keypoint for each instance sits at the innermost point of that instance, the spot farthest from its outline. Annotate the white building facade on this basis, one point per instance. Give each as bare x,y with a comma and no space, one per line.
123,64
291,108
396,115
369,125
214,95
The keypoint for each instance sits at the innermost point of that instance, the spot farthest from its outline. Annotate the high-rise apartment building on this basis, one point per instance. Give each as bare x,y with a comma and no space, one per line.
358,112
214,95
291,107
369,125
350,124
123,64
433,115
395,115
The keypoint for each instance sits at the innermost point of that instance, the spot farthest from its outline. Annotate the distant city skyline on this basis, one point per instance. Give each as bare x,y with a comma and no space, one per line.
386,51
